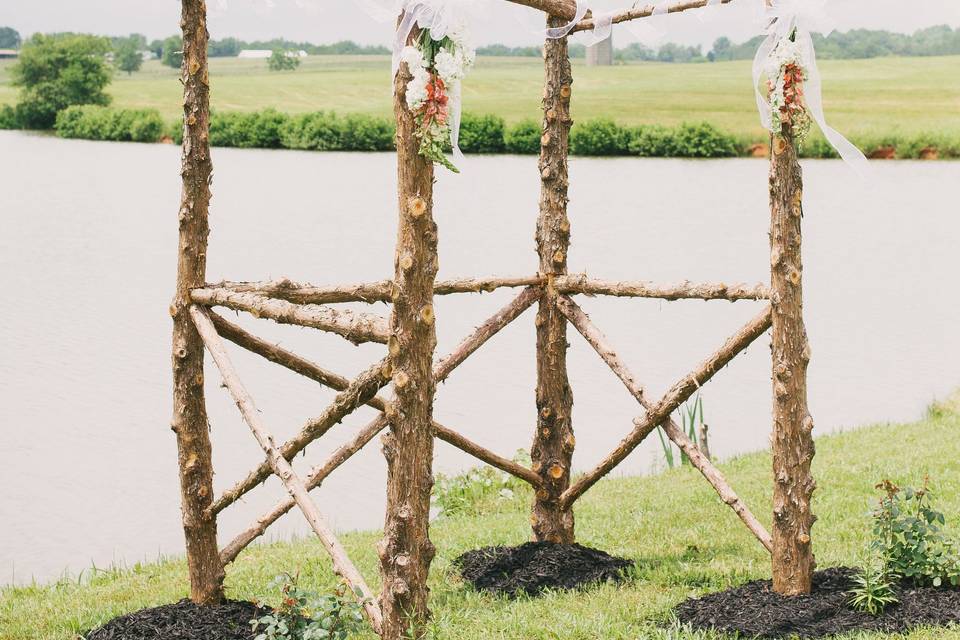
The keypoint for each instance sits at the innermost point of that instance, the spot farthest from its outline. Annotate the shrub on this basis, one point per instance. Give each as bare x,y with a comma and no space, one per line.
366,133
306,615
650,141
283,61
599,138
8,117
91,122
523,137
482,134
702,140
257,130
909,539
317,131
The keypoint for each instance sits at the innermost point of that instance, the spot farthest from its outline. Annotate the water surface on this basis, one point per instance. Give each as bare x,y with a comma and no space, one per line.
88,257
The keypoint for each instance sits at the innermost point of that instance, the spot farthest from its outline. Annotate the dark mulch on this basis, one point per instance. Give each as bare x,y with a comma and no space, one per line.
535,566
183,621
754,610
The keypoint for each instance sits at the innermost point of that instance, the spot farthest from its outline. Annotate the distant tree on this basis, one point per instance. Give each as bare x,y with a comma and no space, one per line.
156,47
283,61
127,55
9,38
172,55
56,71
226,48
721,49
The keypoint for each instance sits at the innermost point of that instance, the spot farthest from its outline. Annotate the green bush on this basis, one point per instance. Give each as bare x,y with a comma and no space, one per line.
482,134
599,138
366,133
326,131
8,117
523,137
650,141
257,130
91,122
702,140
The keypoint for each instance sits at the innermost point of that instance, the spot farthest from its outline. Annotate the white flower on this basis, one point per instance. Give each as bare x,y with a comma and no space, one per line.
449,66
413,57
417,88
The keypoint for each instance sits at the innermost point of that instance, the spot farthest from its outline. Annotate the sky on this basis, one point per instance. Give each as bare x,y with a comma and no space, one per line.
323,21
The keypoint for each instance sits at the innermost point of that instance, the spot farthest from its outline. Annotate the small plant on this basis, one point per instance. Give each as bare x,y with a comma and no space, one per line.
873,590
691,416
478,490
909,538
307,615
667,448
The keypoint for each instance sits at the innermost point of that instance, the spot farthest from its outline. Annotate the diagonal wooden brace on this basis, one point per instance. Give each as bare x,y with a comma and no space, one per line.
354,326
356,393
659,413
281,467
308,369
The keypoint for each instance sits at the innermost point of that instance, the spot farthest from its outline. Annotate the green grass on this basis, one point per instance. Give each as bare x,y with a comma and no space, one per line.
683,540
864,98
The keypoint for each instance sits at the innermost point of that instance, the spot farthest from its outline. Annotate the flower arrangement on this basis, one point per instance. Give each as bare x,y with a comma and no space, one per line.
786,72
433,94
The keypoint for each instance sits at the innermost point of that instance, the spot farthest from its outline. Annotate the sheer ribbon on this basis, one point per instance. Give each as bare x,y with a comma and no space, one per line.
802,16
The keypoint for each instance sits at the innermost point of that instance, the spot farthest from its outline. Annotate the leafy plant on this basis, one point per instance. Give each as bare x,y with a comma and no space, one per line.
283,60
307,615
478,490
691,417
909,538
873,590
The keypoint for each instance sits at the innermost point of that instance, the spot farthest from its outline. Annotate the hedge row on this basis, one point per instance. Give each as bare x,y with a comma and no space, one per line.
327,131
103,123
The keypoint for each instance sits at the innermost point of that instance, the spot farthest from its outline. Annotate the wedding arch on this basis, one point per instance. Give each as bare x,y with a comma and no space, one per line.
429,63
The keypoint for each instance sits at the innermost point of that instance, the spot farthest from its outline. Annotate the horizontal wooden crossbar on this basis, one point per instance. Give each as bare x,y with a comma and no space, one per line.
354,326
660,412
567,9
702,463
370,292
281,467
382,291
581,284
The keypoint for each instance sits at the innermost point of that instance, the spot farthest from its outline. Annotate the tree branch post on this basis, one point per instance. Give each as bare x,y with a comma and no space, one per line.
793,448
553,443
405,550
189,406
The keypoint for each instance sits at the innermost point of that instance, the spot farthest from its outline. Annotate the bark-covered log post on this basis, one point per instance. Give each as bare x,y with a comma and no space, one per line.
189,409
793,448
405,550
553,442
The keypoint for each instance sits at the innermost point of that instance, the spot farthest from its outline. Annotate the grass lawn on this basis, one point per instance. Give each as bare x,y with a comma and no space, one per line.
683,540
878,97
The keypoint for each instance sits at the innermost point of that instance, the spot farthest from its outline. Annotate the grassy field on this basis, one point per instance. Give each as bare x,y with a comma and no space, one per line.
683,540
883,96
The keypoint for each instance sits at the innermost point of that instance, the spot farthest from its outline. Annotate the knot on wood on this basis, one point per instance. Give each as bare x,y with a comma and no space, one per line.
416,206
401,380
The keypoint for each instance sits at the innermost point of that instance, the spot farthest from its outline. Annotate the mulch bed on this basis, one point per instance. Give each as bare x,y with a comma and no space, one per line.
754,610
183,621
535,566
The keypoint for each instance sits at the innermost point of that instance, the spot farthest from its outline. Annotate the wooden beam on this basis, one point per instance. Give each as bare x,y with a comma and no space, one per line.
354,326
698,458
567,10
189,421
281,467
553,440
659,412
581,284
381,291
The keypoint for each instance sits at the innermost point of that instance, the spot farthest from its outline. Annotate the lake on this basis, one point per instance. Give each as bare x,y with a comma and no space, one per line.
88,258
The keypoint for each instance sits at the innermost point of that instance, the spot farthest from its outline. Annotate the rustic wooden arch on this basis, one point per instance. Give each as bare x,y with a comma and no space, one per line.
409,334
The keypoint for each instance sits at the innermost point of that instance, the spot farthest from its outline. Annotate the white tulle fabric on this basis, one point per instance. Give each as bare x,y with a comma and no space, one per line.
782,19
